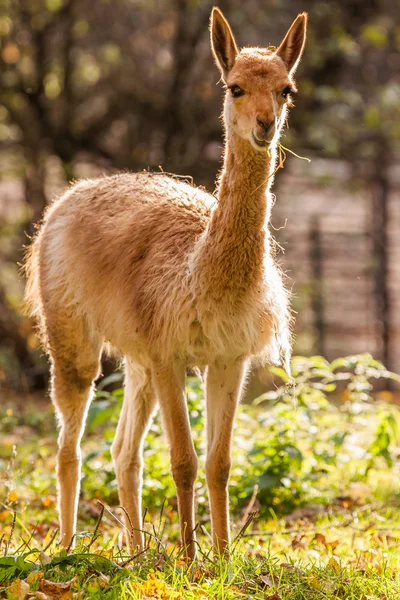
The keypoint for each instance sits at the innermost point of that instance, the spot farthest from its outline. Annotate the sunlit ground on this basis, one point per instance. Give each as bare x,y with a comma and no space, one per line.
314,495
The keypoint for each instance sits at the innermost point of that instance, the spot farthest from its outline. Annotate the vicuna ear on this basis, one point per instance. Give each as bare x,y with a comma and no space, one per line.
223,43
292,46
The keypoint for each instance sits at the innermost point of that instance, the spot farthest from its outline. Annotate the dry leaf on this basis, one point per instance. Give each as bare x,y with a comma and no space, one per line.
332,545
314,582
306,513
57,590
275,596
4,514
44,558
49,501
320,538
267,580
297,542
286,565
34,576
104,580
13,496
334,565
18,590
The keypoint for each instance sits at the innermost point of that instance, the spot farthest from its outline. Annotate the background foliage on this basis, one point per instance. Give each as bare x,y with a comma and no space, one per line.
123,84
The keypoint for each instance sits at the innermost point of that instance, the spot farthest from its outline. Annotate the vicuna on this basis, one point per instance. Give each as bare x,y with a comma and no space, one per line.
170,278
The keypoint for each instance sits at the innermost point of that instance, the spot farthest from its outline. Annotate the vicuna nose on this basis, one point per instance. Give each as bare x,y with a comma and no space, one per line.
265,125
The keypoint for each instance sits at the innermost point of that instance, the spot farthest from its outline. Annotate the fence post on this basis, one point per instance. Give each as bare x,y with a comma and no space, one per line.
317,298
380,242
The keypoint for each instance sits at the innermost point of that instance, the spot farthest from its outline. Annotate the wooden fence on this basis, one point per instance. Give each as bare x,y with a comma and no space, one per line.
342,257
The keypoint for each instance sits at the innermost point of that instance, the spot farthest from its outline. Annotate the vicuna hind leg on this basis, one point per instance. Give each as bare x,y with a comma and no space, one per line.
127,449
224,384
75,360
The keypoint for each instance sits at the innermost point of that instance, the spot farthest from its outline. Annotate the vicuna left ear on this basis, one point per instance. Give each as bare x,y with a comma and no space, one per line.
291,49
223,43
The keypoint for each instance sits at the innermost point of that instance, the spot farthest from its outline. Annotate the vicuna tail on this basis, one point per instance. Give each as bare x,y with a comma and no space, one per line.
33,300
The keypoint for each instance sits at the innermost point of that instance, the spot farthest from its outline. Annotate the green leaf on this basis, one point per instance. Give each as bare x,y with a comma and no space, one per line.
280,373
110,379
268,480
375,35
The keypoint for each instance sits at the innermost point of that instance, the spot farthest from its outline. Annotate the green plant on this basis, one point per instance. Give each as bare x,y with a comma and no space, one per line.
287,441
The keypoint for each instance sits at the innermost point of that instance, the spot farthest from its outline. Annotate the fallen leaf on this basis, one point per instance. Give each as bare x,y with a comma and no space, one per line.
13,496
345,501
332,545
334,565
44,558
308,512
275,596
34,576
104,580
48,501
57,590
267,580
18,590
297,542
41,529
286,565
320,538
314,582
4,514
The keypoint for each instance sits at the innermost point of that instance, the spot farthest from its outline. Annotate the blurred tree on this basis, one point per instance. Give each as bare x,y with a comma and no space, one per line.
87,87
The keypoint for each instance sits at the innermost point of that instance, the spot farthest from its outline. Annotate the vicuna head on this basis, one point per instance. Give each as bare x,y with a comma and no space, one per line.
259,81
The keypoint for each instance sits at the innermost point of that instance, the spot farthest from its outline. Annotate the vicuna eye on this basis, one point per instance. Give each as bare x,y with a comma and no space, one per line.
288,90
236,91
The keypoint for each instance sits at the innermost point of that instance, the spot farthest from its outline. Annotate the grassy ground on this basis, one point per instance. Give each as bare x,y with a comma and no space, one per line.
323,479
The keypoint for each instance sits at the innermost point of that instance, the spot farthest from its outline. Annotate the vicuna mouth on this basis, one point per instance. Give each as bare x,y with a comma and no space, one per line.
261,143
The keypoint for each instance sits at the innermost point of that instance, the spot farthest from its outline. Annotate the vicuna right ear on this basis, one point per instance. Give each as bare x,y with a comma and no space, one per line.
223,43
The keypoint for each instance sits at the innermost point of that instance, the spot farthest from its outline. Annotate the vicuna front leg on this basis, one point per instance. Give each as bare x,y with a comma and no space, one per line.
169,382
127,449
224,384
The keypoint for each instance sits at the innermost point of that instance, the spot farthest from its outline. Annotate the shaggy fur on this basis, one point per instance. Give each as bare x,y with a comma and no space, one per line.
160,271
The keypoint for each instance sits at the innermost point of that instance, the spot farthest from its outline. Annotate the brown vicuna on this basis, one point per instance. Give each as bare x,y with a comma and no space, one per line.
159,271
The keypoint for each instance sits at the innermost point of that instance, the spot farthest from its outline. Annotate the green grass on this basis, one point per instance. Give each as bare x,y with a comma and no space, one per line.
323,478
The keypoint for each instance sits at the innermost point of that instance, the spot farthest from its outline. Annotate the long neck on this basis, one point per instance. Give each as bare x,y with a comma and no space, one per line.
231,255
242,192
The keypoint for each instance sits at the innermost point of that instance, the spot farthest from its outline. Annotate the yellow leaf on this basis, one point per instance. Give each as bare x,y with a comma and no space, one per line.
9,412
18,590
48,501
34,576
314,582
334,565
13,496
4,514
386,396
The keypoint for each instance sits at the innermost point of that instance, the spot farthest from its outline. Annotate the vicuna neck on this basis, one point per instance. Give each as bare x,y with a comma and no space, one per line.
231,256
244,182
